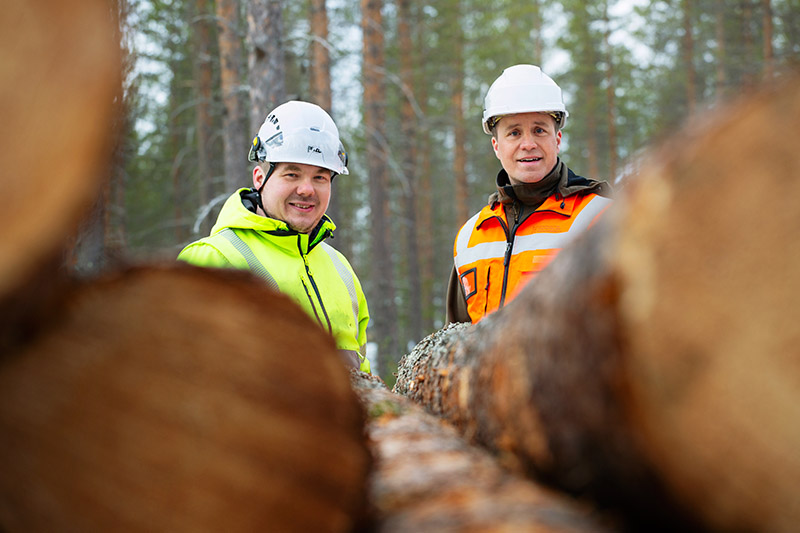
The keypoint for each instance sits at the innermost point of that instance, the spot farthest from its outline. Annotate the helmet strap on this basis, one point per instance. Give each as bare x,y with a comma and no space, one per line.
258,196
266,177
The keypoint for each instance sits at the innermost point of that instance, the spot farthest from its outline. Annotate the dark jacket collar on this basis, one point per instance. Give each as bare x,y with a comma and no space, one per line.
560,181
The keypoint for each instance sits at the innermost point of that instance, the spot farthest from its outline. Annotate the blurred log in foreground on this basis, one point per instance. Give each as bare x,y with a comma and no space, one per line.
60,74
655,363
428,479
179,400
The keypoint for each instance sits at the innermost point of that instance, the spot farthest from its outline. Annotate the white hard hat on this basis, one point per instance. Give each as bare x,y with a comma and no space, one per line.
300,132
523,89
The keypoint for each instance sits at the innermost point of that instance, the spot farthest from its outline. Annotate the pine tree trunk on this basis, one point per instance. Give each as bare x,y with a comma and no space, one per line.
459,131
611,118
235,140
382,307
115,237
267,72
204,127
751,51
688,56
410,169
320,66
721,78
425,201
653,363
769,54
590,90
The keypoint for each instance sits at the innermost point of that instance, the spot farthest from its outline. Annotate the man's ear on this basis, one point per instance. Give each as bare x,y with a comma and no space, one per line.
258,176
494,146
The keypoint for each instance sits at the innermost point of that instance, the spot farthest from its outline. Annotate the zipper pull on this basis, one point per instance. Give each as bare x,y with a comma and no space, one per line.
508,254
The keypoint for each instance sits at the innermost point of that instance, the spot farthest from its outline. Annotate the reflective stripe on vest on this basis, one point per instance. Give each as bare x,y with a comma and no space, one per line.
253,263
497,265
347,278
258,268
523,243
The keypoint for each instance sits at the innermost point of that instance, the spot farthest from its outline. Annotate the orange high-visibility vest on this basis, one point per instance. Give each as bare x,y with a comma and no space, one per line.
494,261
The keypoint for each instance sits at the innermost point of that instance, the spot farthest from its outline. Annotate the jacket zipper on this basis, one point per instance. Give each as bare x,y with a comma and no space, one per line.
507,257
316,290
510,235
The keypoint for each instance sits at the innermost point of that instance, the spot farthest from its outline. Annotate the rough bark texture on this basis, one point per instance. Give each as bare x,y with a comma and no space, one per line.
427,478
203,89
687,45
265,59
178,399
383,309
409,130
654,363
611,109
459,127
320,64
230,52
60,76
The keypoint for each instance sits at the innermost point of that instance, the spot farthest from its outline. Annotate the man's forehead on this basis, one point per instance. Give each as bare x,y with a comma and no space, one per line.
299,167
511,121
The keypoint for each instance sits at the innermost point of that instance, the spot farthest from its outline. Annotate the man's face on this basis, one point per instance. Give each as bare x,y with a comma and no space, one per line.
527,146
296,193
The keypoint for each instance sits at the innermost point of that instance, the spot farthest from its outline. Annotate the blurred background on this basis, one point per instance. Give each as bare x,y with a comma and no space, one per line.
404,80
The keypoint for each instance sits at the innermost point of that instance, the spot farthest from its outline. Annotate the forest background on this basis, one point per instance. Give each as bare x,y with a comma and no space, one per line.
404,80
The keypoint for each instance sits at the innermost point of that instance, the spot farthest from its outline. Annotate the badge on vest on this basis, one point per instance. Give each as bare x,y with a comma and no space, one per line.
469,282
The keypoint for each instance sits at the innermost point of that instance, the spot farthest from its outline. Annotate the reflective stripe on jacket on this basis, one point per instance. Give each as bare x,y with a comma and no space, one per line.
302,266
494,260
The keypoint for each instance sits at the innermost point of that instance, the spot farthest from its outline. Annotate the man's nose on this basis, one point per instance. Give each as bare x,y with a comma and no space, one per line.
305,188
528,141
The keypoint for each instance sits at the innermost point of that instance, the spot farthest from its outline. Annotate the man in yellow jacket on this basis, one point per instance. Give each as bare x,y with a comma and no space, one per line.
278,228
538,207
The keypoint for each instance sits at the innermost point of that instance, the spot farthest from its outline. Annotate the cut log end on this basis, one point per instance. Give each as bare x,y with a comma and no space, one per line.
180,399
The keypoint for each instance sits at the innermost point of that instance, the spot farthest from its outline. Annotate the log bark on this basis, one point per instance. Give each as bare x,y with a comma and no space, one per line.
427,478
654,364
61,73
179,399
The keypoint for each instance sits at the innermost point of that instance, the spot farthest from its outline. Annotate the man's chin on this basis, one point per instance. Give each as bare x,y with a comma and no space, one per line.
301,227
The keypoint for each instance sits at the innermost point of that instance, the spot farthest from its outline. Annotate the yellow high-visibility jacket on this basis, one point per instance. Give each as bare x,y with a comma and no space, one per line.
304,267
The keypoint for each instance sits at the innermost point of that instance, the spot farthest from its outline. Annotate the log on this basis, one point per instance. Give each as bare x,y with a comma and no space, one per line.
654,364
427,478
60,75
179,399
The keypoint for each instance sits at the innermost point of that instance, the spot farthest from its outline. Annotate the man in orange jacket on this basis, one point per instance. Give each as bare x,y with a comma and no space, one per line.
539,204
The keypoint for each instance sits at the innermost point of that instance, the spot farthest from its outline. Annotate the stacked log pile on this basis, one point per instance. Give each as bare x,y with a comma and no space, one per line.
651,369
169,399
427,478
653,366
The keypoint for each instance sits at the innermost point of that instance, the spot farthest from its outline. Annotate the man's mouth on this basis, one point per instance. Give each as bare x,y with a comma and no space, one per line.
302,206
529,159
